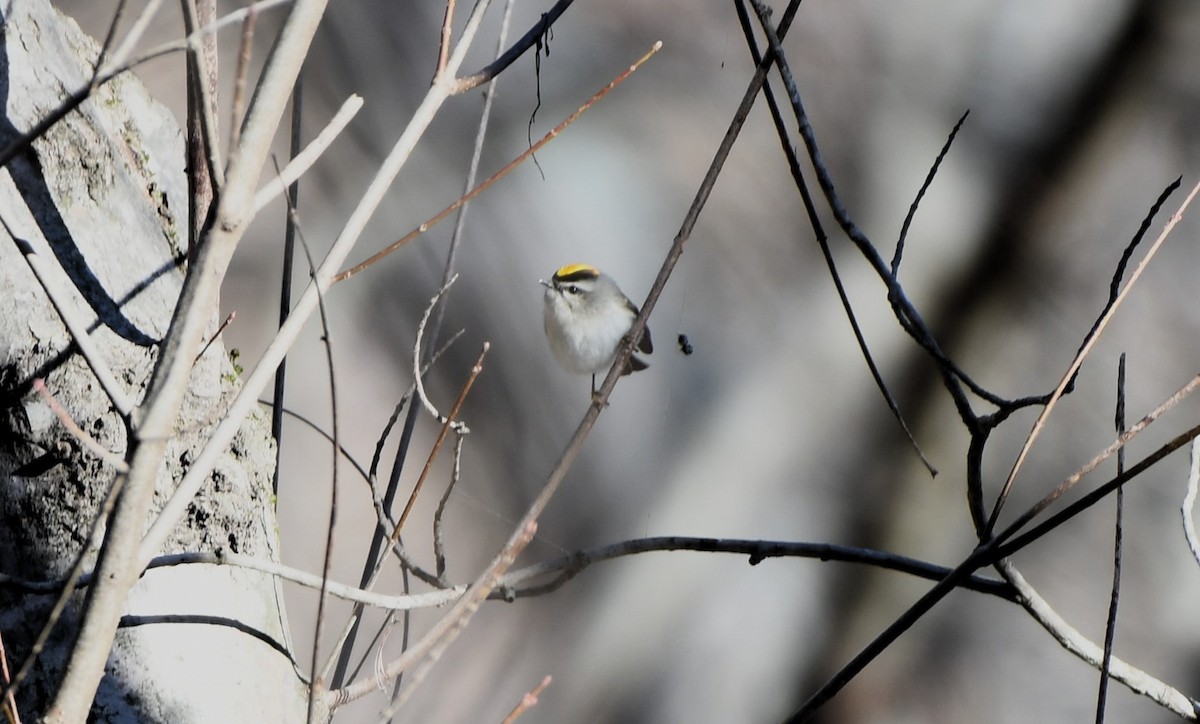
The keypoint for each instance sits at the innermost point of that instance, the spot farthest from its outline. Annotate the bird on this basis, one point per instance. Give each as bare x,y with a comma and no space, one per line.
586,316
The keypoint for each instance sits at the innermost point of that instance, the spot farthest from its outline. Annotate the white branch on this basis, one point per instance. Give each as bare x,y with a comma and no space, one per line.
1135,679
306,158
1189,502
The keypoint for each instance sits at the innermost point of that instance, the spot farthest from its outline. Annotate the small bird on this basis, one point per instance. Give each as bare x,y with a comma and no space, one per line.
586,317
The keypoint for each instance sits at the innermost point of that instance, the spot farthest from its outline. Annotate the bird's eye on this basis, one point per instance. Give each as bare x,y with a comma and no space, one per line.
572,289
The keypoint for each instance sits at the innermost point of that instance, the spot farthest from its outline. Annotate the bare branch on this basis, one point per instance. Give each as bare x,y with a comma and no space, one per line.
524,582
1084,351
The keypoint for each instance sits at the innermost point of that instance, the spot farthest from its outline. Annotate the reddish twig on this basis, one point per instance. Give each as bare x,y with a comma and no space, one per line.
239,78
437,444
528,701
10,701
436,218
228,321
78,432
444,45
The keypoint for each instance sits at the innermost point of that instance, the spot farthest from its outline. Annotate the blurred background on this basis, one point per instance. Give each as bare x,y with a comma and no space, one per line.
1080,114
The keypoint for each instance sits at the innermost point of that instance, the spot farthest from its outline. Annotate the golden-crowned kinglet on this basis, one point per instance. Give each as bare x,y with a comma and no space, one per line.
586,316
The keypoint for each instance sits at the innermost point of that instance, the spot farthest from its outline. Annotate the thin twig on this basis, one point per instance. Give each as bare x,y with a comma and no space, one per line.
228,321
237,106
416,356
447,425
523,44
444,45
528,701
929,177
239,79
78,432
205,168
341,449
460,220
10,701
439,546
286,281
1110,626
327,559
568,566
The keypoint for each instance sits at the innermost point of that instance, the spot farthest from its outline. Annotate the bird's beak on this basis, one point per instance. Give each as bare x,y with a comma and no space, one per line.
545,283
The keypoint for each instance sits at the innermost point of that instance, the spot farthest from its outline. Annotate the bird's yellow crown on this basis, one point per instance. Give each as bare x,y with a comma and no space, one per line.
575,272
